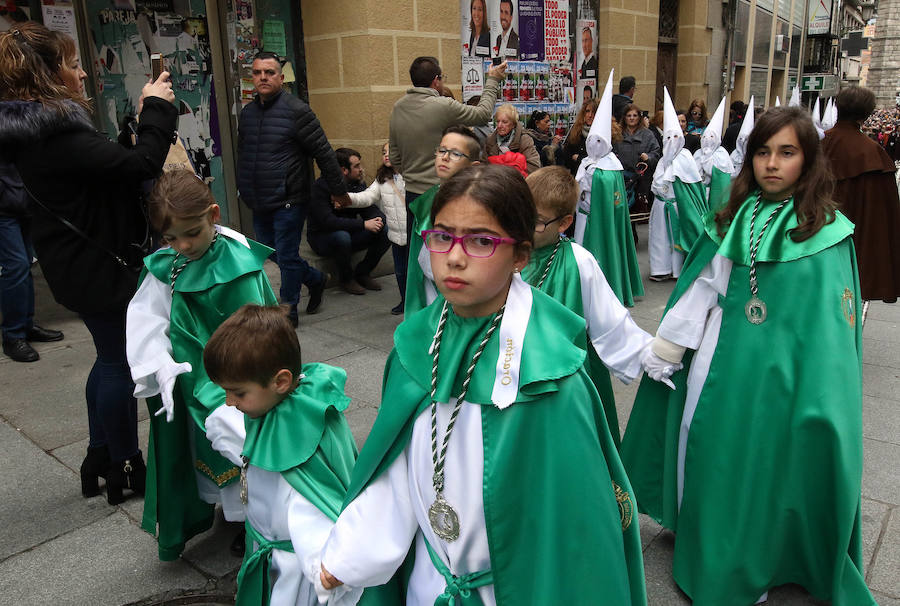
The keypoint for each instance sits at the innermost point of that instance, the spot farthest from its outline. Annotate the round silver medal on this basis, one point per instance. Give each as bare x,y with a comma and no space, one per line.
755,310
444,520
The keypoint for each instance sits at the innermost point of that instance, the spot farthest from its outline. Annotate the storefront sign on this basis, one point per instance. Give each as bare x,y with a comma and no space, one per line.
819,17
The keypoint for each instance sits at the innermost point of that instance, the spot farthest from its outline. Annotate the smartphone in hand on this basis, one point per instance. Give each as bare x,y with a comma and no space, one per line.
157,65
496,60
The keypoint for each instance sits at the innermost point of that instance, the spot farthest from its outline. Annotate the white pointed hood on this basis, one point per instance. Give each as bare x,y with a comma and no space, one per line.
709,156
817,119
777,101
599,141
673,144
795,97
830,116
740,147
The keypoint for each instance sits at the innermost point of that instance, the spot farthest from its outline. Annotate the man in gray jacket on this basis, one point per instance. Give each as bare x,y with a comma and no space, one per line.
420,116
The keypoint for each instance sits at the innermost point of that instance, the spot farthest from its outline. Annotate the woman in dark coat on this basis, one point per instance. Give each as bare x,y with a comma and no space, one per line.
867,193
88,222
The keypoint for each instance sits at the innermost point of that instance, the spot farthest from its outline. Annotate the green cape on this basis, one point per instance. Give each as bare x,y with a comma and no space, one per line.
308,441
549,457
719,189
208,291
686,221
563,283
774,457
415,279
607,235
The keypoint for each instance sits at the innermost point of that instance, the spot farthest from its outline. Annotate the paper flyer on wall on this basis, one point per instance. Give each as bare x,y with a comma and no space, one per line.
531,30
556,30
479,22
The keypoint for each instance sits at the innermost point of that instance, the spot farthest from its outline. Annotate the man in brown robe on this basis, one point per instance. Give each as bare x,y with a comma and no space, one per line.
866,192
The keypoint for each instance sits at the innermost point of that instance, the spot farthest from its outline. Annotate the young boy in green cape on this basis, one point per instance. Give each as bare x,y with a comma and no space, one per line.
570,274
296,458
459,148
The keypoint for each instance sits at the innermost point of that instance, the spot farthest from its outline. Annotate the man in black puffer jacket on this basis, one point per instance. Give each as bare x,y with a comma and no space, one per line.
277,134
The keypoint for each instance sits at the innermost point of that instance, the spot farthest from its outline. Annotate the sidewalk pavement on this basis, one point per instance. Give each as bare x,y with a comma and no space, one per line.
59,548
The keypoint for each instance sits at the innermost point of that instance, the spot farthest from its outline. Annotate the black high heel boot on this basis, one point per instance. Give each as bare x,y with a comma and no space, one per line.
93,468
130,473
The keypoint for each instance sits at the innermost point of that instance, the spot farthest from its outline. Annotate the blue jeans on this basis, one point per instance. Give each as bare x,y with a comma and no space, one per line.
281,229
16,283
112,409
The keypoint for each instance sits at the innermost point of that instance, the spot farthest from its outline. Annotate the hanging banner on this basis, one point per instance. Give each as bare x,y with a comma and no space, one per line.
556,30
478,19
531,30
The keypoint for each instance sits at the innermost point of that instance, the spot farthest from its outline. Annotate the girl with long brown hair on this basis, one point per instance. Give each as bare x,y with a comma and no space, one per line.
574,149
761,439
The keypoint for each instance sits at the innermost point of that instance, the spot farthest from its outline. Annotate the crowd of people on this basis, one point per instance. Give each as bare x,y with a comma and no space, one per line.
464,493
883,126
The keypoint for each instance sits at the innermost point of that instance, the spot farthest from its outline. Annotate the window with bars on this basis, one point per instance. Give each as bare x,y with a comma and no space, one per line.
668,21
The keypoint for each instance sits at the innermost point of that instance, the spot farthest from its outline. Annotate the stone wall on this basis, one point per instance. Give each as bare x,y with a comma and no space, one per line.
884,69
627,33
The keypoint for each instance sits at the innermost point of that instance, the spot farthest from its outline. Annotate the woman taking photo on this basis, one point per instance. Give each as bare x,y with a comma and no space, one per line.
479,33
510,137
88,224
574,150
638,152
546,143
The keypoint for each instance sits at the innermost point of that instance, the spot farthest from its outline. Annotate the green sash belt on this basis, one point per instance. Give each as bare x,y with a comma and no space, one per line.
458,591
253,577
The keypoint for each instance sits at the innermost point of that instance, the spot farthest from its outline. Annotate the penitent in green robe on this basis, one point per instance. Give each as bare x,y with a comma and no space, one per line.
607,235
563,283
558,515
307,439
208,290
416,298
773,459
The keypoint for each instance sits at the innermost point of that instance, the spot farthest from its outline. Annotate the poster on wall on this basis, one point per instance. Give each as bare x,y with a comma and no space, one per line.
472,77
477,25
531,30
586,60
556,30
506,45
61,18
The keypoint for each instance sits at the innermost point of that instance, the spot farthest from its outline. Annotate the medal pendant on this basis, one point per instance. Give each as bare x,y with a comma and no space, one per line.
444,520
755,310
244,482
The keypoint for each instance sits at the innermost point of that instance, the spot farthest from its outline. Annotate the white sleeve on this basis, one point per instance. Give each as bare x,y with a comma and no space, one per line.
618,341
372,195
373,534
226,432
147,343
685,322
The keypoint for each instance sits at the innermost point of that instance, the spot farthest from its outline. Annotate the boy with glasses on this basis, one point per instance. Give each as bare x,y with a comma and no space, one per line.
570,274
458,149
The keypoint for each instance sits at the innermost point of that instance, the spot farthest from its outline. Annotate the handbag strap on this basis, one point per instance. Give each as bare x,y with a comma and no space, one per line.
77,230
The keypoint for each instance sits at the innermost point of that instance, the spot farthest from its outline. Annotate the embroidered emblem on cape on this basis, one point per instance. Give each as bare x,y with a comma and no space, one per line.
220,479
848,307
626,510
618,198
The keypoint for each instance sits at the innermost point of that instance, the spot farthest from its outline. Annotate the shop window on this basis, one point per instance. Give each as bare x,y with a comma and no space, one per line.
796,41
759,79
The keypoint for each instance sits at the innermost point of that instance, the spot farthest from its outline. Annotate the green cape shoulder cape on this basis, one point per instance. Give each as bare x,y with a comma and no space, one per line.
569,518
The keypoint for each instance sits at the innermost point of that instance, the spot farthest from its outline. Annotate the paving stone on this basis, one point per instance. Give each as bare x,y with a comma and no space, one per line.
317,345
365,369
874,515
661,587
884,600
884,575
365,326
881,419
880,353
210,551
879,310
881,381
881,480
40,498
108,562
649,530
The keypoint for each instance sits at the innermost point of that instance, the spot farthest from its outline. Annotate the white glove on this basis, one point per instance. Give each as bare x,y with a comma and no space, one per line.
659,369
165,378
